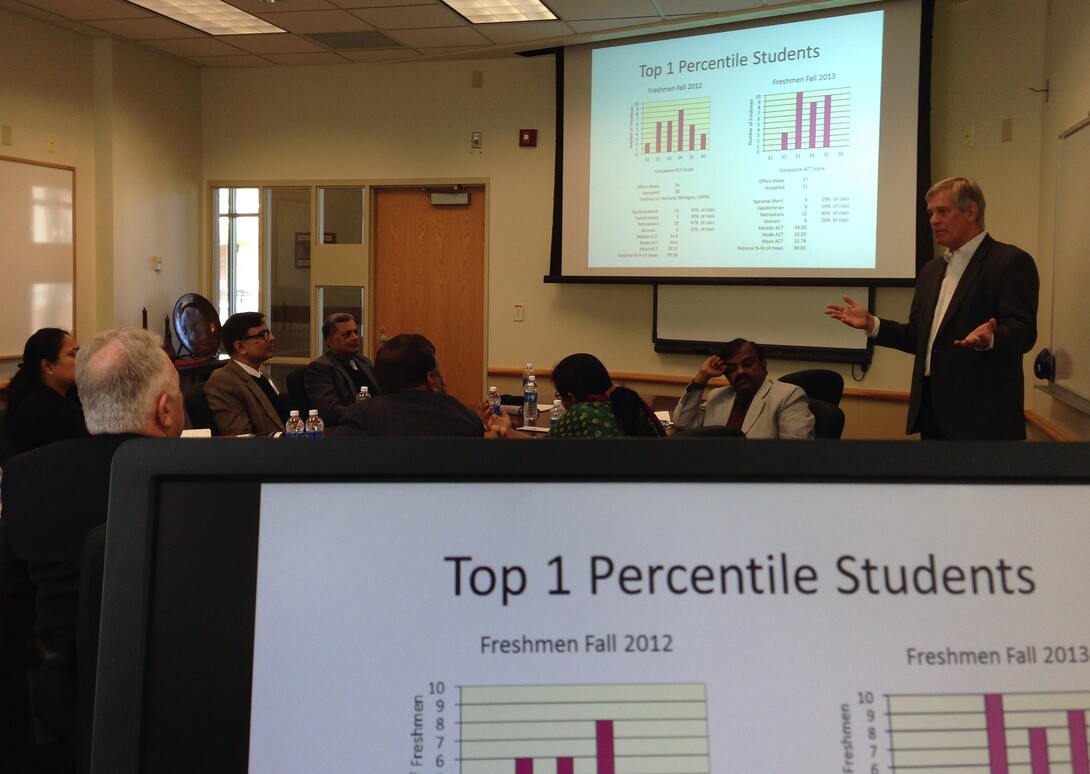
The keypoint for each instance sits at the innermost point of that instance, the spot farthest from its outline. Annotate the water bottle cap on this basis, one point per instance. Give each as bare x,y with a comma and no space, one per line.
313,413
492,389
556,403
364,389
294,413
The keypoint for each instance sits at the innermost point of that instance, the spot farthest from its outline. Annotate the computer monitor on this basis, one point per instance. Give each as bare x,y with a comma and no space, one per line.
613,607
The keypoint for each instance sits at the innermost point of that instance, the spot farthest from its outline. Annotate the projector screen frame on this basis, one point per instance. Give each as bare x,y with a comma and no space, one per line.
924,249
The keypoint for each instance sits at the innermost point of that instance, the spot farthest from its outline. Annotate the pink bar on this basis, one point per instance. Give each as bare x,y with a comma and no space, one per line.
524,766
647,147
1038,751
783,141
692,138
798,120
703,141
603,733
828,118
1076,729
669,136
565,766
681,131
997,733
658,137
813,124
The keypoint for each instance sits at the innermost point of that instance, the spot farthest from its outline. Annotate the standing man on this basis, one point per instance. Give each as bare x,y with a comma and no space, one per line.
242,399
758,406
973,317
333,380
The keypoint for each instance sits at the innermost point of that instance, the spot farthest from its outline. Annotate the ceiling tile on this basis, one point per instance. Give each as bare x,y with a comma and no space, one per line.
439,37
317,21
206,46
381,55
156,28
524,31
579,10
326,58
92,9
244,60
409,16
272,44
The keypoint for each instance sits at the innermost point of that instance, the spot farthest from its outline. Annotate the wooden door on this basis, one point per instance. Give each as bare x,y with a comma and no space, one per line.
429,279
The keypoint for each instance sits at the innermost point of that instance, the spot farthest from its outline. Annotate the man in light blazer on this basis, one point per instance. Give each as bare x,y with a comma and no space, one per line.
243,400
333,380
973,316
760,407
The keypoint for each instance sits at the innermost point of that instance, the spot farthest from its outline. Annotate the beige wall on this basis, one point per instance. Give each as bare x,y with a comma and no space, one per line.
412,122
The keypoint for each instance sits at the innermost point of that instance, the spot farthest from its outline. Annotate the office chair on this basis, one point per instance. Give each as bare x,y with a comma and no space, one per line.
196,409
828,419
821,383
297,390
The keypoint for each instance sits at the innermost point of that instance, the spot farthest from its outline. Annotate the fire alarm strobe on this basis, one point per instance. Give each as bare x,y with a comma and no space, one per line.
528,138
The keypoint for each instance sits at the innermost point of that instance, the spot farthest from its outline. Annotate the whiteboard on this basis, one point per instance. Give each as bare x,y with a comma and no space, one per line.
788,321
1071,264
38,259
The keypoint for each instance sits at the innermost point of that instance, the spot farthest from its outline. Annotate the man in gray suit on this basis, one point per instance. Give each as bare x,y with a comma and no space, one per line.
243,400
333,380
758,406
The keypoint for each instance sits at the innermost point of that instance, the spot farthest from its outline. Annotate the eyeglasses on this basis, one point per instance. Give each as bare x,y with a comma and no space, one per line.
265,334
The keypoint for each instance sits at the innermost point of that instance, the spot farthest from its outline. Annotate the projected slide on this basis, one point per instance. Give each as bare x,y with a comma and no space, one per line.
752,148
684,628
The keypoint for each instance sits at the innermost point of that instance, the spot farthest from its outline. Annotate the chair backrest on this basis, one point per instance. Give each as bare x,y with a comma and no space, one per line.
196,409
821,383
297,390
828,419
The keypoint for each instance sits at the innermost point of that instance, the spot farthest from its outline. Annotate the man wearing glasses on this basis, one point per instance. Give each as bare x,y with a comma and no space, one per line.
243,400
758,406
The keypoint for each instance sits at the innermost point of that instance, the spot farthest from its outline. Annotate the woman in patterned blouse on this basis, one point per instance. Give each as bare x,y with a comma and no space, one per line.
595,407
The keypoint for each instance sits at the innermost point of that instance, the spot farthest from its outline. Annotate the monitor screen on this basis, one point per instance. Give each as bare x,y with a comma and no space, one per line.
669,606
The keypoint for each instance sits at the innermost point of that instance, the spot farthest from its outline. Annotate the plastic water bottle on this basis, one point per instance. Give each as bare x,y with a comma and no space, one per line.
529,404
527,375
315,427
494,400
363,394
293,428
556,413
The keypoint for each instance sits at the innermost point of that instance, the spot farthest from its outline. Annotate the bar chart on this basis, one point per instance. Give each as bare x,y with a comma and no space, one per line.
676,126
806,120
584,729
991,733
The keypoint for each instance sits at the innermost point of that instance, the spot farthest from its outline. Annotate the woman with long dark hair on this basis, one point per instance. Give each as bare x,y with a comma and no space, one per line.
595,407
43,406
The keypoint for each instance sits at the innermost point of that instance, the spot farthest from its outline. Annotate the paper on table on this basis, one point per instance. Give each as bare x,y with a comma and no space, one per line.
664,417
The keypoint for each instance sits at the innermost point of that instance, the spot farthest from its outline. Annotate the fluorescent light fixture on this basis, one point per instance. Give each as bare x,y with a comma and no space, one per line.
211,16
492,11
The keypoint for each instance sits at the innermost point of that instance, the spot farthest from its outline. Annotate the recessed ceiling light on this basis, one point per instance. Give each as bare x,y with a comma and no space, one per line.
211,16
492,11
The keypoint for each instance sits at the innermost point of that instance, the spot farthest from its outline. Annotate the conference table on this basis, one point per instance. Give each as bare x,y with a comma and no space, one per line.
540,426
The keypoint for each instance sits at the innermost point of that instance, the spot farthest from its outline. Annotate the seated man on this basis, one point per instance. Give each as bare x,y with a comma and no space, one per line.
242,399
333,380
760,407
56,494
414,398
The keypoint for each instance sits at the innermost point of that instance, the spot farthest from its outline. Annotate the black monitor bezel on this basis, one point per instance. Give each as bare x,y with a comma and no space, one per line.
231,472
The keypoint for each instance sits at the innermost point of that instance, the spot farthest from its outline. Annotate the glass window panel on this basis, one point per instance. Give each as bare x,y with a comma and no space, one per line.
333,299
340,213
236,250
290,240
248,201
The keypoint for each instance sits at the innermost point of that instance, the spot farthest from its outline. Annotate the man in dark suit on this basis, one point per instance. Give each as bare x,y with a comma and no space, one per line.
243,400
333,380
973,316
56,494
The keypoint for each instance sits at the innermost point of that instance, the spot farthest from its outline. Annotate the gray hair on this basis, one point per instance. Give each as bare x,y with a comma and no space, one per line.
964,192
335,319
120,374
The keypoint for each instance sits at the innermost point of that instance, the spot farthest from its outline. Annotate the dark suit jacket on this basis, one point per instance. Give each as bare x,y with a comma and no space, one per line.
331,389
976,395
43,416
238,404
53,496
